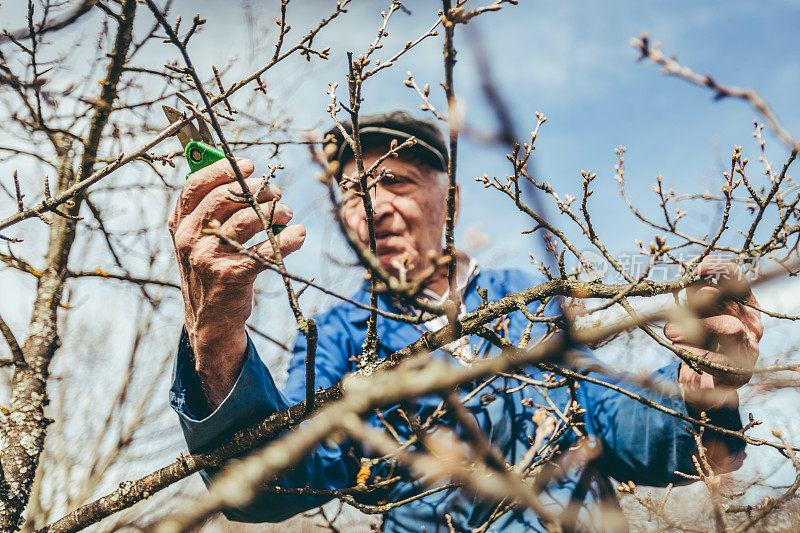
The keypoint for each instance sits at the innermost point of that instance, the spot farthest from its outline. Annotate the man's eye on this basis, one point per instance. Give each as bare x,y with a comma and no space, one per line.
393,180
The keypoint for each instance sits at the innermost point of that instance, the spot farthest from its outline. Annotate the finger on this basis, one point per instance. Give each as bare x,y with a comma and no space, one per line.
723,330
243,224
202,182
725,340
221,202
737,342
688,330
289,240
721,377
216,205
229,266
704,391
709,300
728,275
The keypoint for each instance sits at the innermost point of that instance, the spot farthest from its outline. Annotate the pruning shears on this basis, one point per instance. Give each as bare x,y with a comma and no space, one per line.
199,146
198,142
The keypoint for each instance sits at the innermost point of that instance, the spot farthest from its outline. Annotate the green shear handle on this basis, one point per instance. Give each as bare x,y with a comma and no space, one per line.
198,145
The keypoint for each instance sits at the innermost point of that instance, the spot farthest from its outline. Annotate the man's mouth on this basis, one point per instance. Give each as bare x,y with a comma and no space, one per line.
385,241
383,234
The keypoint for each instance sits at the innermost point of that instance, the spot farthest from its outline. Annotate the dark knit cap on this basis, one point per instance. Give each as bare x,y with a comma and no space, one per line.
379,130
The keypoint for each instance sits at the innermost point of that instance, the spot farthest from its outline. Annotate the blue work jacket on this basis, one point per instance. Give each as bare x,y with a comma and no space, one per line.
632,442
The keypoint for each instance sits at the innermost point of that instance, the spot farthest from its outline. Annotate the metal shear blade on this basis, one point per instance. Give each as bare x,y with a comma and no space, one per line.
189,132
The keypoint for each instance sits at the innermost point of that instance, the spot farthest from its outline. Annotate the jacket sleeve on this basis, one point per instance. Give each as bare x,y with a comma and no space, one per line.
642,444
254,397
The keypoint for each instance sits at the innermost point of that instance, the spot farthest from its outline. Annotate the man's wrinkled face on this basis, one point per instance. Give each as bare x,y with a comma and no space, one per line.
410,210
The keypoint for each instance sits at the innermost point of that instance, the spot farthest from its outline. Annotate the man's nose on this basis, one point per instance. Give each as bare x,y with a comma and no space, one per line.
381,202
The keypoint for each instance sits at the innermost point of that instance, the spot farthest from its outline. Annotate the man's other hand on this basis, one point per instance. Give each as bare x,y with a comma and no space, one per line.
216,280
728,335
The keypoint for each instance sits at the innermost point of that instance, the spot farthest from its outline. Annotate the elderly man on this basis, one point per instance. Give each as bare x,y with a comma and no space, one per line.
221,384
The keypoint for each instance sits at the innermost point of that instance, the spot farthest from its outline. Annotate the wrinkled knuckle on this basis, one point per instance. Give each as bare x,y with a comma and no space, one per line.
188,187
758,329
183,241
195,256
180,207
736,328
213,206
190,190
267,251
219,271
237,226
245,165
213,269
201,252
183,249
216,170
755,351
266,194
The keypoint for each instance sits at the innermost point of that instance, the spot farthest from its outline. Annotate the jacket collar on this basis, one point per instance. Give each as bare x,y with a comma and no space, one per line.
469,274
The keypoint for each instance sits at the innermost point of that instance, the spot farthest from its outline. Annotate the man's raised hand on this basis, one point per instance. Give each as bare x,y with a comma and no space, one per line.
216,280
727,335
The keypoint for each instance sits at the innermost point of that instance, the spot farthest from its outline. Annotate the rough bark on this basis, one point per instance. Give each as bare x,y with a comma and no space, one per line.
26,424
